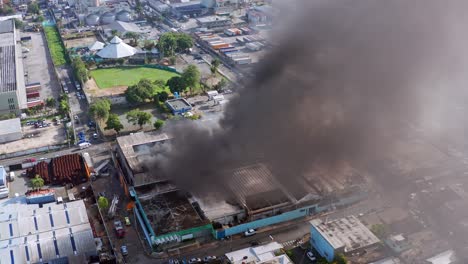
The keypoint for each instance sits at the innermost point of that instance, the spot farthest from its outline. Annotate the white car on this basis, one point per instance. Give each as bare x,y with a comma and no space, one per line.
311,256
250,232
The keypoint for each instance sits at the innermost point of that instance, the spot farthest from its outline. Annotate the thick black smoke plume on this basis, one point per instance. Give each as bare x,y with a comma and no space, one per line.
340,83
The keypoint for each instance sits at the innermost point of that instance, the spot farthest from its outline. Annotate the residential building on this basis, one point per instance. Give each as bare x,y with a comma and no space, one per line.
268,253
10,130
53,233
3,183
12,87
341,236
190,8
214,22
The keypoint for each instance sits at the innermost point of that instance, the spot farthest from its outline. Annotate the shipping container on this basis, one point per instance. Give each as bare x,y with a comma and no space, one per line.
228,49
219,46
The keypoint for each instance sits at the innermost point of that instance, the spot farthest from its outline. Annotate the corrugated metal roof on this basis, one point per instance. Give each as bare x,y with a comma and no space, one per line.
45,242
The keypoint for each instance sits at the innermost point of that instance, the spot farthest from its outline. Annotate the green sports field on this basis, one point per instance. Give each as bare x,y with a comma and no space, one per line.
122,76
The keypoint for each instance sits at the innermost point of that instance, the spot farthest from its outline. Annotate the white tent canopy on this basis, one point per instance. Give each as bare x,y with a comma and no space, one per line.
96,46
117,49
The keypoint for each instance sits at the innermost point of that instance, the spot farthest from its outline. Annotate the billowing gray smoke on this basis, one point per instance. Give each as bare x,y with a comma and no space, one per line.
343,79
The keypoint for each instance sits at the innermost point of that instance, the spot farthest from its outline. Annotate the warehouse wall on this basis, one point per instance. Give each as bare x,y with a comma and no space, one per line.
11,137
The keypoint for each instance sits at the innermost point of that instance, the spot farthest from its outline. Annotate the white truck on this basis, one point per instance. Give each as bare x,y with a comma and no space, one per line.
84,145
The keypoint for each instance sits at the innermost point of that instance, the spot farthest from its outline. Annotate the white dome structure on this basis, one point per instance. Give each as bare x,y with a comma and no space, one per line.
116,49
96,46
124,16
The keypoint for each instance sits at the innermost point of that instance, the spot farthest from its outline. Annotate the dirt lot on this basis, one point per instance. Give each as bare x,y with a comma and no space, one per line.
82,42
92,89
36,138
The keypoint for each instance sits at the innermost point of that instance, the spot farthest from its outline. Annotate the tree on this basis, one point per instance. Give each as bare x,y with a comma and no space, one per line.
340,259
37,182
158,124
114,33
64,106
148,44
140,92
50,102
172,60
191,77
221,84
167,44
161,97
138,117
113,122
79,68
33,8
184,42
39,18
103,203
6,10
214,65
176,84
133,36
100,109
380,230
18,23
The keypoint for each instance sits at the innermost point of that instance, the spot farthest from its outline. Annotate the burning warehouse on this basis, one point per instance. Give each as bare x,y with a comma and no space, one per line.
252,196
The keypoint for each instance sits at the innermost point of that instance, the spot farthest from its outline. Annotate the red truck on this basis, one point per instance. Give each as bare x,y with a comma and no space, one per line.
119,230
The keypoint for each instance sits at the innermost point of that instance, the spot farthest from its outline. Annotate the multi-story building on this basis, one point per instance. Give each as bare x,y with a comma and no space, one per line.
12,87
341,236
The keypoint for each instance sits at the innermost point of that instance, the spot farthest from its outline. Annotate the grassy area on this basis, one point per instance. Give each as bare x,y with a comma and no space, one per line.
57,50
123,76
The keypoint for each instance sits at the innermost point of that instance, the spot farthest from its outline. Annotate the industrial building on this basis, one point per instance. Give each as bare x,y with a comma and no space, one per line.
58,233
10,130
3,183
214,22
168,215
178,106
268,253
341,236
12,86
188,8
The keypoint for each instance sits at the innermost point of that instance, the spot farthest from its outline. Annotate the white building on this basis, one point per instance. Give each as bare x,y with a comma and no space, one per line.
3,183
269,253
10,130
12,87
33,234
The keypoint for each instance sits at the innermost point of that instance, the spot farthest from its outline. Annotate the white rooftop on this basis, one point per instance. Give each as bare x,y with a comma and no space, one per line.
117,49
346,232
258,254
10,126
96,46
446,257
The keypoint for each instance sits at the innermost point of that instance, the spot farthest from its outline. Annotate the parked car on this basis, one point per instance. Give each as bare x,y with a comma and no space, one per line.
124,250
209,258
250,232
195,260
311,256
75,117
29,160
119,230
127,221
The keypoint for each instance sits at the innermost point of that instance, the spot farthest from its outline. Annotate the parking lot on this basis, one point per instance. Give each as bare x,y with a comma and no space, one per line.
36,138
38,65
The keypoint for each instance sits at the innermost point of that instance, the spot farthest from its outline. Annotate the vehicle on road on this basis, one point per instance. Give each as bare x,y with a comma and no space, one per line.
250,232
12,176
95,135
311,256
29,160
119,230
84,145
209,258
124,250
127,221
75,117
195,260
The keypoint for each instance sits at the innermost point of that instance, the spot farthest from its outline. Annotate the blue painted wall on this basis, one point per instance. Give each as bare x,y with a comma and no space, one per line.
291,215
321,245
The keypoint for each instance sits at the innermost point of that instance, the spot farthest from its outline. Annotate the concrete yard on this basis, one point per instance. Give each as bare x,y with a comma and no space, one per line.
38,65
40,137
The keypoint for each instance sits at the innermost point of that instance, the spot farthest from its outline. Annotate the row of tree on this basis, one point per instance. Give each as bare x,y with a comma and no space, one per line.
80,70
172,42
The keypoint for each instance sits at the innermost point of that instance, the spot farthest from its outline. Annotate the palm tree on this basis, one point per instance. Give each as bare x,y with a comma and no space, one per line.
37,182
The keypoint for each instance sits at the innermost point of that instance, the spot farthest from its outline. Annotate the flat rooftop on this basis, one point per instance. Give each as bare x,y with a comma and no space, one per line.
171,212
10,125
7,57
346,232
137,149
208,19
178,104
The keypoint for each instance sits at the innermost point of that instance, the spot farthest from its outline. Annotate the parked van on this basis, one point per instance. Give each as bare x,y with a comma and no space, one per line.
12,176
84,145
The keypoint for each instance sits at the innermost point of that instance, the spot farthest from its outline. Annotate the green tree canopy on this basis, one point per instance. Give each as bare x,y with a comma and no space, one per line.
33,8
214,65
64,106
140,92
103,203
380,230
100,110
138,117
191,76
79,68
113,122
50,102
176,84
158,124
37,182
161,97
171,42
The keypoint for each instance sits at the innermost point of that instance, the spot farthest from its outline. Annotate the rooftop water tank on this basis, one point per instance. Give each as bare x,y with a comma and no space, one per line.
124,16
92,20
107,18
